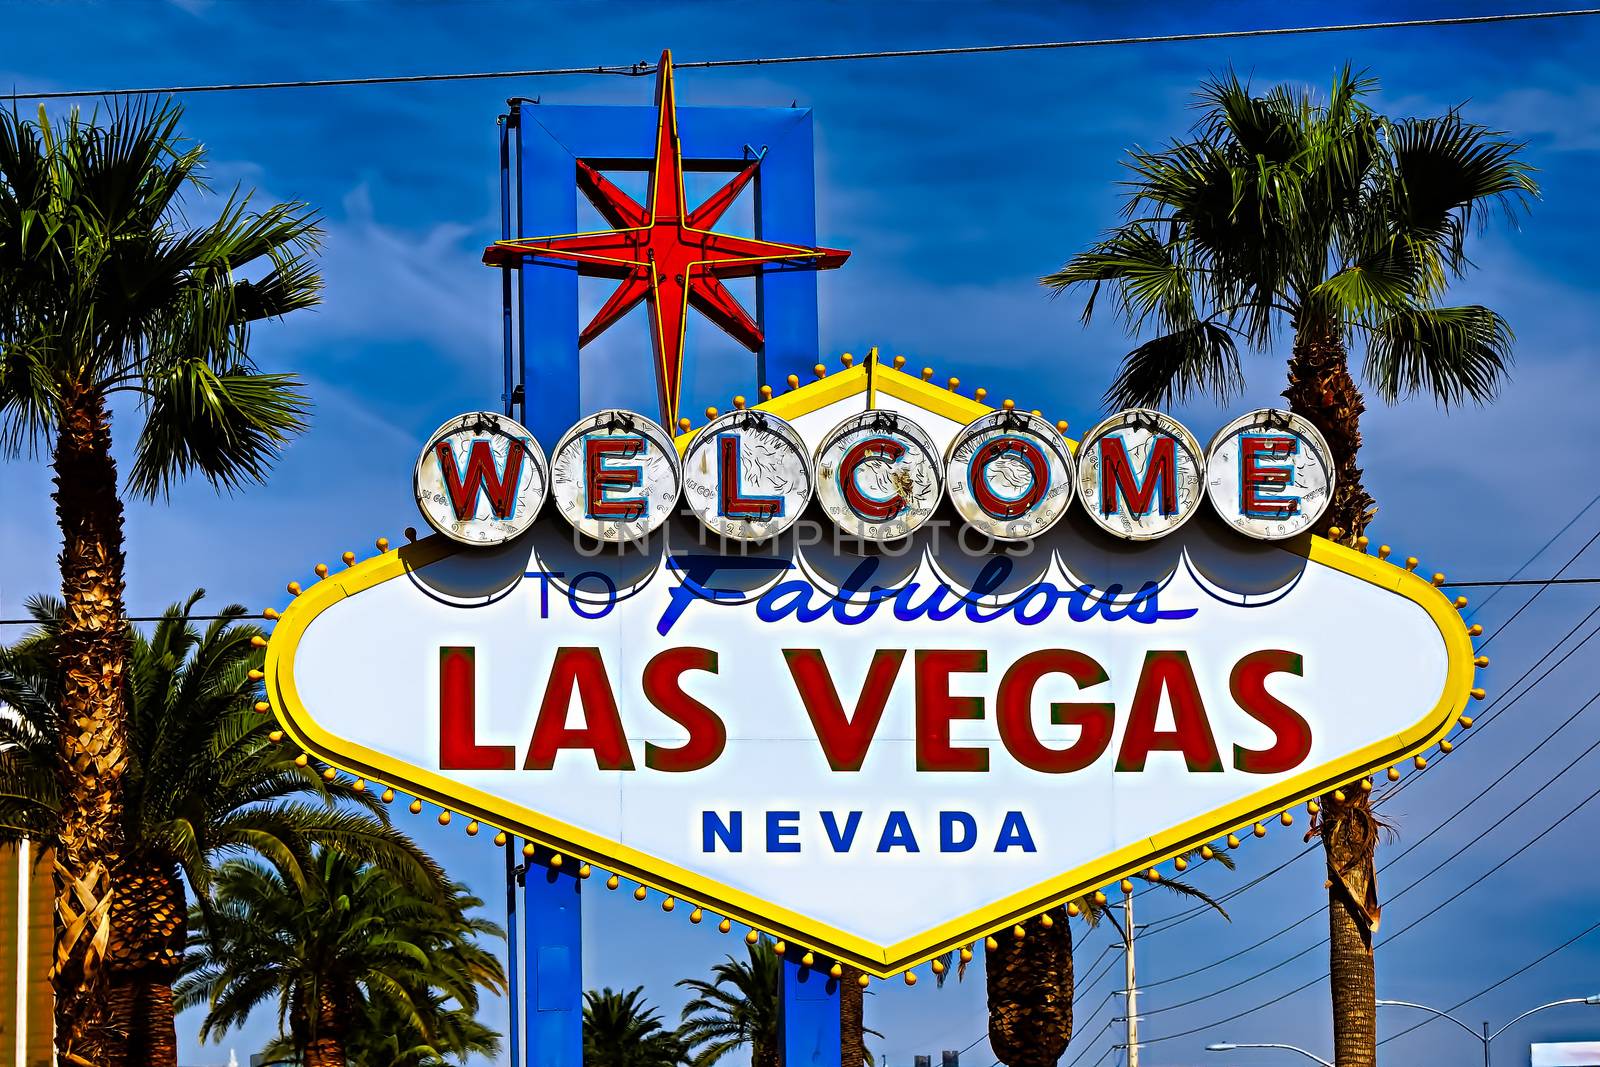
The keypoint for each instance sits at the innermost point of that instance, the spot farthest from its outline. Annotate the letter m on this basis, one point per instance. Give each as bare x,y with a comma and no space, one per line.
1118,480
481,476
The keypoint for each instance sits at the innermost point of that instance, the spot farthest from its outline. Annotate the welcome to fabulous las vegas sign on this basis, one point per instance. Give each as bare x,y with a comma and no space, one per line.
871,666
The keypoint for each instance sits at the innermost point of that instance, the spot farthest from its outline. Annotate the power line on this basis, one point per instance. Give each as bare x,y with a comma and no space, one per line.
1498,866
1412,846
646,68
1540,551
1495,985
1424,917
145,618
1504,582
1425,876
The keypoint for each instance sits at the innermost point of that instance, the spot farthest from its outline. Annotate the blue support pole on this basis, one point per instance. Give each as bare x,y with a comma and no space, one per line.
809,1017
554,1005
513,967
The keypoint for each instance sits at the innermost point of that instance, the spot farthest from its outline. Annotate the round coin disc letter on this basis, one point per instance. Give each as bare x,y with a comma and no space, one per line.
1010,475
1269,474
747,475
1140,474
879,476
615,476
481,479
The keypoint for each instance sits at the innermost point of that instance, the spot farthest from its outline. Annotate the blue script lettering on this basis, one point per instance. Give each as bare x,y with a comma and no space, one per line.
857,600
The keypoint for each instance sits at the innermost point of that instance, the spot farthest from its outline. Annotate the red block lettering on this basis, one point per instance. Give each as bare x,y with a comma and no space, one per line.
458,745
1117,477
601,479
707,734
1258,484
732,501
870,508
1168,672
844,739
481,477
602,730
995,505
1014,707
1292,734
936,708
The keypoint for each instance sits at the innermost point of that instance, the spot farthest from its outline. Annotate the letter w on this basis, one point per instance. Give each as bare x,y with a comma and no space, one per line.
481,477
844,739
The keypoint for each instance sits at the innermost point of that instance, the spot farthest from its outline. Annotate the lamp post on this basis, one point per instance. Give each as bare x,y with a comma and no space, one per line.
1486,1037
1229,1046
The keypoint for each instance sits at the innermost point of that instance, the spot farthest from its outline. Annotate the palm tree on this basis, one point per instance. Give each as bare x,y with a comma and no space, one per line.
738,1007
203,779
385,1038
349,946
1347,227
623,1030
1030,979
106,289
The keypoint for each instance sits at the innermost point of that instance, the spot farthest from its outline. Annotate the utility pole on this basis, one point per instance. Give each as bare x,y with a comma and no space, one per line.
1131,987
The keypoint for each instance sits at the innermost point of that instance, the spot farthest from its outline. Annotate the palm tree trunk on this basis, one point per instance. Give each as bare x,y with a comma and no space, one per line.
148,928
326,1049
852,1047
1322,390
1030,993
764,1054
93,746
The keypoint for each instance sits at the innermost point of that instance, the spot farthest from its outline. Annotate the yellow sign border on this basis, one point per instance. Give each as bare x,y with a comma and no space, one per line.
881,961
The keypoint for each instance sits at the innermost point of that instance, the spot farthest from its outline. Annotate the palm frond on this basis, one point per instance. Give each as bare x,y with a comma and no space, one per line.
1202,359
1452,354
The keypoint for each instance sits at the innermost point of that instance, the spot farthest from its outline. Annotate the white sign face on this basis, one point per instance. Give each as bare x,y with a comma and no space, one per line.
481,479
1010,475
878,475
1140,474
747,475
615,476
1269,474
876,756
1566,1054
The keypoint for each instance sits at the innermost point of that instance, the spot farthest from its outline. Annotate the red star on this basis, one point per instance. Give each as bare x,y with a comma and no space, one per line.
666,256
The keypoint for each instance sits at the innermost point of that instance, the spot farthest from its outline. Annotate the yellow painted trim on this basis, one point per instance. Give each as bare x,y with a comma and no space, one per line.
875,959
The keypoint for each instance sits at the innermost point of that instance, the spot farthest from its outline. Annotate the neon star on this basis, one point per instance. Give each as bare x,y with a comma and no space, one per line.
666,255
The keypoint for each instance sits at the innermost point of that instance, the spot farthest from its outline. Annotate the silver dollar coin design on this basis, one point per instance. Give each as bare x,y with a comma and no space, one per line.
1269,474
481,479
1010,475
747,475
1140,474
615,476
879,476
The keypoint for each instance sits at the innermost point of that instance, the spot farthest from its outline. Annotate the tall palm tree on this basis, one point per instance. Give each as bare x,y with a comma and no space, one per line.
349,945
624,1030
106,289
1346,227
1030,979
203,779
738,1007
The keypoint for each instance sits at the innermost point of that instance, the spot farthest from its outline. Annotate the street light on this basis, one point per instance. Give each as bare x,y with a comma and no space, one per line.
1486,1037
1228,1046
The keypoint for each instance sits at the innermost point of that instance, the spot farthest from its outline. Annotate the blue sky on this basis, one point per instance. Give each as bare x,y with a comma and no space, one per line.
955,182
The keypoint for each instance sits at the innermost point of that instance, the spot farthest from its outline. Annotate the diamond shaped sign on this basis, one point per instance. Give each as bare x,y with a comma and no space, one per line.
876,751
